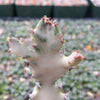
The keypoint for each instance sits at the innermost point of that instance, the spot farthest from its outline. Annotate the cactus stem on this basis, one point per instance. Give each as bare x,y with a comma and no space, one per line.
41,51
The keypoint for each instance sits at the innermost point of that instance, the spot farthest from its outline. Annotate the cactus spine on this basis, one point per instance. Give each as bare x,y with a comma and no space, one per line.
45,59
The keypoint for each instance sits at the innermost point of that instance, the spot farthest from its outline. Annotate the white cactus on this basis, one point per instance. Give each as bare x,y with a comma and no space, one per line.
45,59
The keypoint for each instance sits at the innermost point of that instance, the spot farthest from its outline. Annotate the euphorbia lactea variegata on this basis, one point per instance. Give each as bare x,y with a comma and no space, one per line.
45,59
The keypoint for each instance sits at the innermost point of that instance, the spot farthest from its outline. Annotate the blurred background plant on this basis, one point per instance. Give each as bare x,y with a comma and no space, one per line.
82,82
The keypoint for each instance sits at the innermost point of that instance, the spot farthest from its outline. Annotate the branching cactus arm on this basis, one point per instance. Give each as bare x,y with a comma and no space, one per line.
20,48
45,59
72,60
